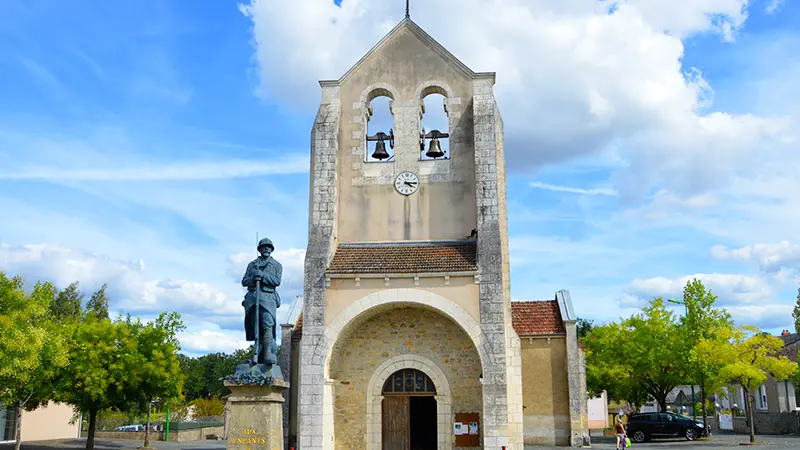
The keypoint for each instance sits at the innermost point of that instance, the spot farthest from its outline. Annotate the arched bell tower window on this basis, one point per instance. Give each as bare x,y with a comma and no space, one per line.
380,127
409,382
434,126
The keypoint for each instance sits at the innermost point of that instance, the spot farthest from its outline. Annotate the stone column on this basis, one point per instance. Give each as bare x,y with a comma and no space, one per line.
285,362
577,403
494,306
256,416
313,432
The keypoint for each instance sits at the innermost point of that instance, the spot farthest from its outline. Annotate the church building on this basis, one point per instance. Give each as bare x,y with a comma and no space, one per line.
408,338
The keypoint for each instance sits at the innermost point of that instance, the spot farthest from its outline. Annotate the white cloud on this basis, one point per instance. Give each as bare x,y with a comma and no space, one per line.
732,289
129,288
572,190
773,6
589,80
207,341
168,172
772,258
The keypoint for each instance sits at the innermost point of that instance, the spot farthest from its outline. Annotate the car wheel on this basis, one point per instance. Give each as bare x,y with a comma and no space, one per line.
691,434
639,436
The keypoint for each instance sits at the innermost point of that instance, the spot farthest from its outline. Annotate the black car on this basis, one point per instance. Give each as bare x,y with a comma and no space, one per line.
644,426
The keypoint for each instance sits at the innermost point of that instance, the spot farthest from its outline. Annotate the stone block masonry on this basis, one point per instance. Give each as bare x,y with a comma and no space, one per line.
314,421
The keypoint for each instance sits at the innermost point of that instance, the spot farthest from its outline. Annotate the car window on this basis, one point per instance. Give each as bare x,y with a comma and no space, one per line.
664,418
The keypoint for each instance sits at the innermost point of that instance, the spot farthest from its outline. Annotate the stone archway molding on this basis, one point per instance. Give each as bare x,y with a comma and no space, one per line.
444,398
409,296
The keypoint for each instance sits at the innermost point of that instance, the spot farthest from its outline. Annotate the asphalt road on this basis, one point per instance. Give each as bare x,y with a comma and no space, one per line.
725,441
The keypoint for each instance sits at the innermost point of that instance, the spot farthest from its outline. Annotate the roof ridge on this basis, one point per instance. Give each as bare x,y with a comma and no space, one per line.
406,243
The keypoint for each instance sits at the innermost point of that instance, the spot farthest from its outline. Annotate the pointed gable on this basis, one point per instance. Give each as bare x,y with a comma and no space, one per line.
408,28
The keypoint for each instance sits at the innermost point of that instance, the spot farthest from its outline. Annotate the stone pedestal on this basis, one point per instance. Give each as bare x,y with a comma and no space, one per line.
255,420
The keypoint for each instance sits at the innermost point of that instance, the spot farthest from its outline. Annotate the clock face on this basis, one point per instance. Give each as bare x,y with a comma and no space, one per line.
406,183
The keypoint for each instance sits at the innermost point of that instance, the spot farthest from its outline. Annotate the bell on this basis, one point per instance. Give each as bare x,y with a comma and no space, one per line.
434,151
380,151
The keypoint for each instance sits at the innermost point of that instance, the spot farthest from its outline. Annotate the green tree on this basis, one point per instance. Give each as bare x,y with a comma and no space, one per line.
702,321
607,367
67,304
796,313
584,327
31,348
157,375
642,357
747,357
97,306
656,350
104,363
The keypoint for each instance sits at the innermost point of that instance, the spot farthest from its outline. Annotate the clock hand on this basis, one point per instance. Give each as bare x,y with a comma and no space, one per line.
410,183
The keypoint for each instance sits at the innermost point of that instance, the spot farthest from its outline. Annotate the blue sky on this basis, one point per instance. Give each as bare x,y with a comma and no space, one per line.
144,144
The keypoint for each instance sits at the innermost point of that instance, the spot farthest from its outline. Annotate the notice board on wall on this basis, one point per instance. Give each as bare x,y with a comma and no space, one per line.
470,430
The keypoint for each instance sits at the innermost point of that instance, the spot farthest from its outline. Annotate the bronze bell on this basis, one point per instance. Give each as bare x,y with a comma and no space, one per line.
380,151
434,151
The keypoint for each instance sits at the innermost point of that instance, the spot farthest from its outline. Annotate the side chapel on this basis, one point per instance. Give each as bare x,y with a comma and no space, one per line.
408,338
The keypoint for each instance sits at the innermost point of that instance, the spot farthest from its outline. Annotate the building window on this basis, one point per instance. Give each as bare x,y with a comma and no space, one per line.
409,381
761,397
8,423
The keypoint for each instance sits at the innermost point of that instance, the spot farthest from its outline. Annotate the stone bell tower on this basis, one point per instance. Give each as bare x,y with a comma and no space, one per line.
397,227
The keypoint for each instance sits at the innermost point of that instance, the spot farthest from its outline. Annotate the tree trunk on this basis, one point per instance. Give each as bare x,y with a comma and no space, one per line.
662,403
18,442
92,425
752,416
147,428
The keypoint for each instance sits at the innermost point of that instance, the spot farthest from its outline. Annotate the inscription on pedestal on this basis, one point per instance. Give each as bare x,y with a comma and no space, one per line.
249,437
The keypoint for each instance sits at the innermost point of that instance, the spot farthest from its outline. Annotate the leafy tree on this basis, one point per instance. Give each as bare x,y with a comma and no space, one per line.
584,327
642,357
796,313
747,357
31,348
656,350
157,376
104,363
204,374
607,367
702,321
67,304
97,306
205,407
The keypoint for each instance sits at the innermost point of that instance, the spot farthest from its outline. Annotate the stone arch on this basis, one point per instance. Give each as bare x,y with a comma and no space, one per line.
444,398
377,90
434,87
411,297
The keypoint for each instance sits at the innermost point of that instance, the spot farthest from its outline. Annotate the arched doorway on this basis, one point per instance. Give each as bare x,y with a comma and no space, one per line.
409,411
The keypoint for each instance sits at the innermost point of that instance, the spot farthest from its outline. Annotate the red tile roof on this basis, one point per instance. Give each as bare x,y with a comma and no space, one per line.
537,318
404,258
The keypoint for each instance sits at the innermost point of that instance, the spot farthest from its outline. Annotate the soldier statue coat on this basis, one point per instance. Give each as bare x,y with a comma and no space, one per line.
266,270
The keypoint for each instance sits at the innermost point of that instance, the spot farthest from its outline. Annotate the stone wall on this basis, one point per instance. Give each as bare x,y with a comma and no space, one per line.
769,423
396,332
193,434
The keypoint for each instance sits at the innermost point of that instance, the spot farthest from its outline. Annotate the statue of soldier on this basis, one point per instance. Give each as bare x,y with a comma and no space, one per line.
264,272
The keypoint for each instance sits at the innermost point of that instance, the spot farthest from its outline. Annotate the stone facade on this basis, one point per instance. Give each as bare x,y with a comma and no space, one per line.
456,327
400,331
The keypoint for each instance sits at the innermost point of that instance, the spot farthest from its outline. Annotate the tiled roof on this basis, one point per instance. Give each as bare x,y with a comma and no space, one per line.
297,333
404,258
532,318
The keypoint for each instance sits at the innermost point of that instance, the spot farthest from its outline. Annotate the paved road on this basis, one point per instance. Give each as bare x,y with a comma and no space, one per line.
725,441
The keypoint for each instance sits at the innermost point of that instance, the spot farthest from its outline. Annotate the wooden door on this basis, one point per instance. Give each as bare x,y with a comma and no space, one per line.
396,423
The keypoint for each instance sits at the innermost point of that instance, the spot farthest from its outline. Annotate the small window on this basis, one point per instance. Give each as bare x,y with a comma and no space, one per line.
409,381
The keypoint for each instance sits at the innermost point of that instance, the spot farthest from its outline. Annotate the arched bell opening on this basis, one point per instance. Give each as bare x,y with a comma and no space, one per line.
434,126
379,138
